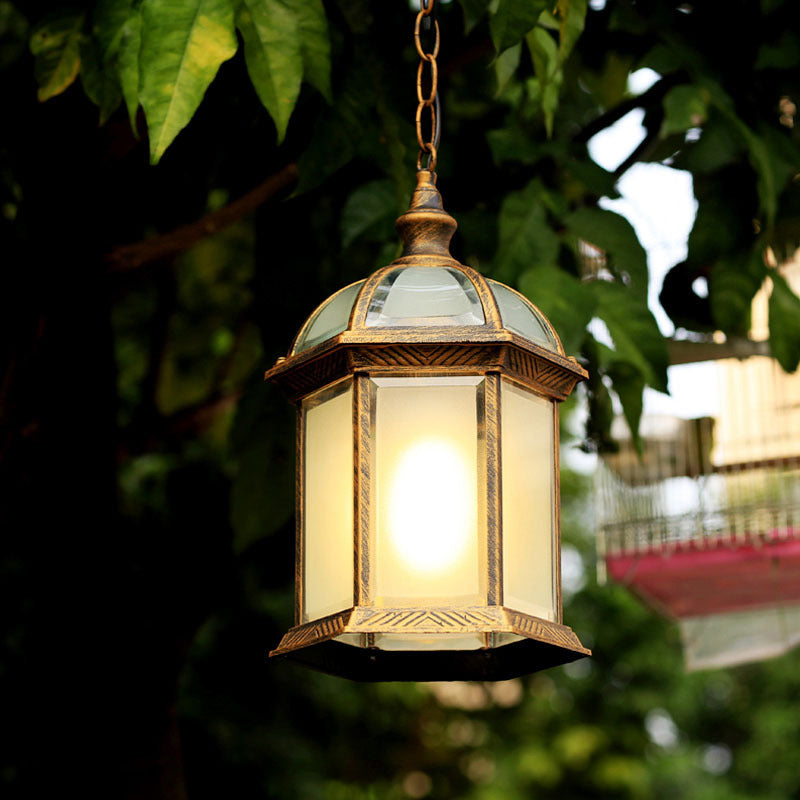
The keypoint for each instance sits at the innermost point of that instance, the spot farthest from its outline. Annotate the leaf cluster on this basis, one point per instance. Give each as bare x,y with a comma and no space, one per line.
162,55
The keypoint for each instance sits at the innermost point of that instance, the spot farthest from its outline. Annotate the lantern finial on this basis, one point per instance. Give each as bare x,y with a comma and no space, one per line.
426,228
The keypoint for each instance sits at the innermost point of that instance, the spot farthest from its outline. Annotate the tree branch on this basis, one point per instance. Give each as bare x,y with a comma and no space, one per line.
653,95
640,152
683,351
132,256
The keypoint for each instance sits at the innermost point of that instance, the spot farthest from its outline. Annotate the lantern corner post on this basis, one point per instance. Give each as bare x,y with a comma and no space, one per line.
299,533
493,489
363,488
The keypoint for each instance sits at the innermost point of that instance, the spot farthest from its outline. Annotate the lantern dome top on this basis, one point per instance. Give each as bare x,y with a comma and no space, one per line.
426,294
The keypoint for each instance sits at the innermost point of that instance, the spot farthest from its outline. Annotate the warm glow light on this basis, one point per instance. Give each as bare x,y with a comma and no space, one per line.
429,506
426,452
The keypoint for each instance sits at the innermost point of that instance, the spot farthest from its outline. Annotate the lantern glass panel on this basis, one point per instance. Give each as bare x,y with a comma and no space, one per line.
425,296
520,316
328,501
529,523
445,641
428,457
329,319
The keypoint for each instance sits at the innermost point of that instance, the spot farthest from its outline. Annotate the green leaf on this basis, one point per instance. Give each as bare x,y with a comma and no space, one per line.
315,46
572,16
526,239
512,19
367,206
262,445
717,146
473,11
784,155
184,42
725,208
544,53
601,409
547,66
128,63
614,235
594,178
101,72
55,45
391,149
563,299
783,54
633,330
733,281
684,107
760,160
274,56
13,34
108,20
763,165
513,144
784,323
505,65
333,142
628,384
609,85
99,79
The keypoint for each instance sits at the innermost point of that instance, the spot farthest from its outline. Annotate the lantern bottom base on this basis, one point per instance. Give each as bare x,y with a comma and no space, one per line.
522,645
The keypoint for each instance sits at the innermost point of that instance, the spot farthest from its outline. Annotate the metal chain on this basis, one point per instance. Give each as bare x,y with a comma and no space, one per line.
427,100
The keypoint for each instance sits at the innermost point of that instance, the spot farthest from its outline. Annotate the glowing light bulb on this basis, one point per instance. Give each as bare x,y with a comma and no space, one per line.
429,506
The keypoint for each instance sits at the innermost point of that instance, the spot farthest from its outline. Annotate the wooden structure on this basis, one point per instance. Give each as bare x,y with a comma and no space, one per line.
705,525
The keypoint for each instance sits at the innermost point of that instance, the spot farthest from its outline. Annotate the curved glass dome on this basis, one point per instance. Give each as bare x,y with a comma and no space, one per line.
330,319
428,297
522,317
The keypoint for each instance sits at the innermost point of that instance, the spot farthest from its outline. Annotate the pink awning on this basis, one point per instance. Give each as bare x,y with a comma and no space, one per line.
712,576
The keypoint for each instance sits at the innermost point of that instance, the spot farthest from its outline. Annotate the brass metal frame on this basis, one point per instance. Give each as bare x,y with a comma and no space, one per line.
363,353
543,644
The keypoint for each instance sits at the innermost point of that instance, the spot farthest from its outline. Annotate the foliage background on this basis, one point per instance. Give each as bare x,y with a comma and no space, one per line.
182,183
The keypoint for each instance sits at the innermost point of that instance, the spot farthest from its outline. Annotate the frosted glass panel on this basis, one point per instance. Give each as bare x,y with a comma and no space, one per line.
446,641
328,507
521,317
330,319
528,502
425,296
739,637
426,528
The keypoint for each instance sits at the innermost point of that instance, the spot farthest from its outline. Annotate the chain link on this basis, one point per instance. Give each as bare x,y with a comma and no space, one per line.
427,100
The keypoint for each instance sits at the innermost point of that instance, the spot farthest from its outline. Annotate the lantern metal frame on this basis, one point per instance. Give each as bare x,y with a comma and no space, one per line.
491,351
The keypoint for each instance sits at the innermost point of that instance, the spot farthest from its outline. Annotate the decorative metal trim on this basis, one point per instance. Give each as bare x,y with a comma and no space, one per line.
545,631
538,369
446,620
309,633
543,644
450,619
358,316
362,415
494,491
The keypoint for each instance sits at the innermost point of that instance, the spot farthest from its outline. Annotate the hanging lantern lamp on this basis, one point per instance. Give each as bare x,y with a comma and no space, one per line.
428,537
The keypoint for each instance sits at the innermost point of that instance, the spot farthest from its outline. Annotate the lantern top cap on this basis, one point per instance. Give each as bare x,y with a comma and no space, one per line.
426,291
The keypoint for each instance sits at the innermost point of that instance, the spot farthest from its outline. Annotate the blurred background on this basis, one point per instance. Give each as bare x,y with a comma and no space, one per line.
146,472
